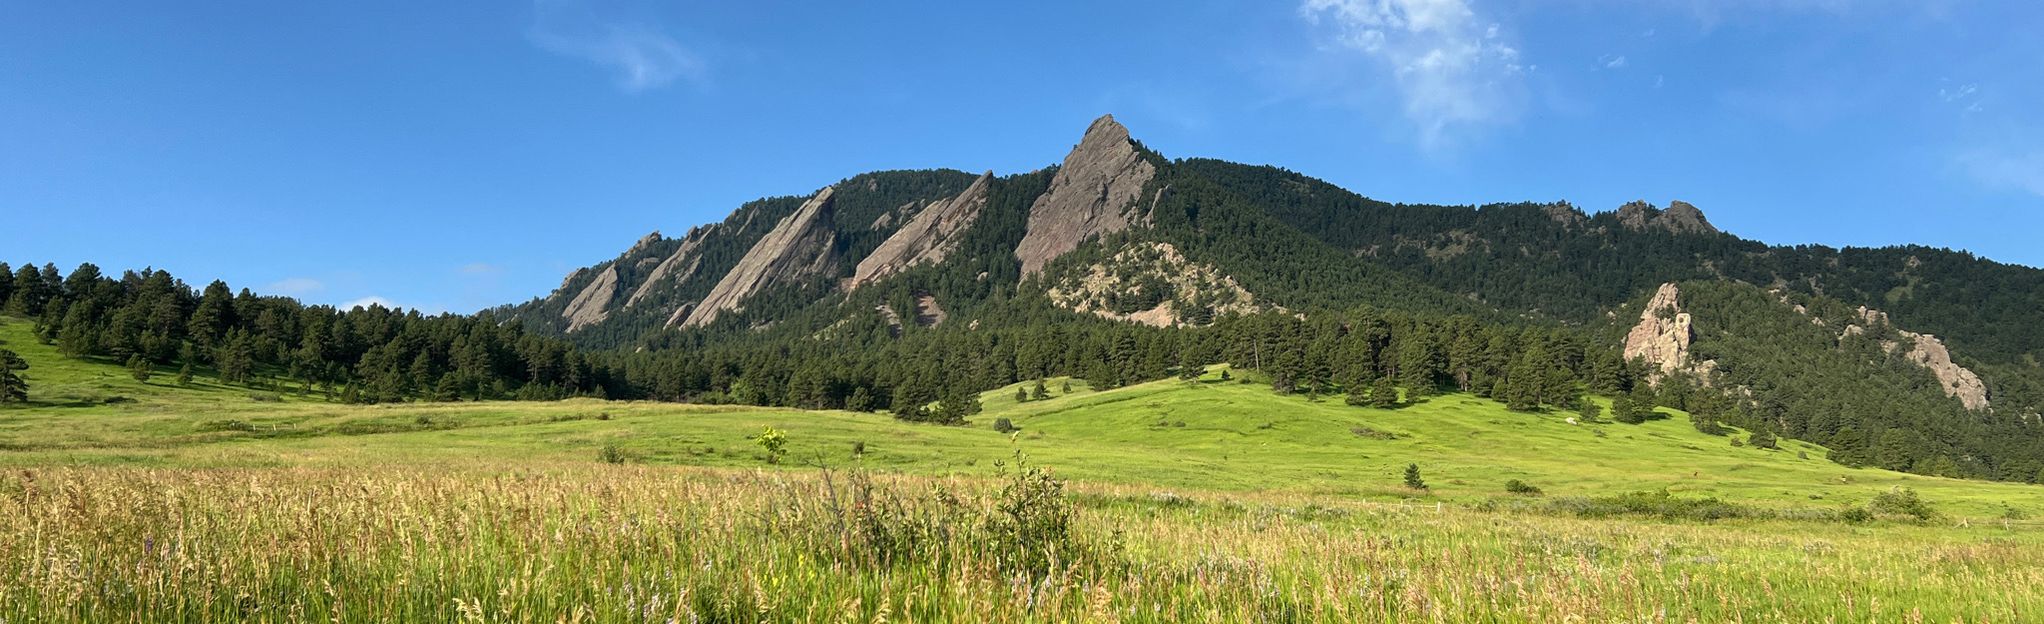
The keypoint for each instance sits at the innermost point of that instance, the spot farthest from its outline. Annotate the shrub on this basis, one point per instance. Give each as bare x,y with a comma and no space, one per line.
1901,501
265,397
610,454
1516,486
1004,425
858,448
774,442
1373,434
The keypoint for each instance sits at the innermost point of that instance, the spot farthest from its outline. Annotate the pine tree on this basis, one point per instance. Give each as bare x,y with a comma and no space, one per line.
1021,394
1762,438
1382,394
1039,392
184,373
13,388
1412,479
139,367
860,401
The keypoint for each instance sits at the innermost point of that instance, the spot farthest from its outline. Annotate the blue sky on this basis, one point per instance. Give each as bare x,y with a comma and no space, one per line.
456,155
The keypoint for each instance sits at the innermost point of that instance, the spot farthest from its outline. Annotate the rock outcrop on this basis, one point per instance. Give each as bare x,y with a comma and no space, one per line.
1663,335
1565,214
1680,218
592,305
928,237
1928,352
1152,284
679,266
1093,194
800,246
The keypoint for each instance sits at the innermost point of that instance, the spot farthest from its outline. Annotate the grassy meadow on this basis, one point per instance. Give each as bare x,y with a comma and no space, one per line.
1209,500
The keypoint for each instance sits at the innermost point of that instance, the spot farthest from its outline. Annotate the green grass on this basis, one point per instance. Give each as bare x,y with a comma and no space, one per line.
1206,500
1209,435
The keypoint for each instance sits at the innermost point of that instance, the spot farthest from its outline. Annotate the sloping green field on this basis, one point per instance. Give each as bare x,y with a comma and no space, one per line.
1211,434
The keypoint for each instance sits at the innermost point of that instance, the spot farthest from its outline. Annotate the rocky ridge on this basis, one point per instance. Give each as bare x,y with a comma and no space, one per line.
926,238
799,246
1680,218
1092,195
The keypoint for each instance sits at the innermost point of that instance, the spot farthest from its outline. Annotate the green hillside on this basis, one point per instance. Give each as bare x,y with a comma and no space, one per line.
1208,435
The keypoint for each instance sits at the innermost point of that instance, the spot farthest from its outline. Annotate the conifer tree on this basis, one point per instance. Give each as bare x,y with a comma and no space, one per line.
1412,479
1382,394
139,367
13,388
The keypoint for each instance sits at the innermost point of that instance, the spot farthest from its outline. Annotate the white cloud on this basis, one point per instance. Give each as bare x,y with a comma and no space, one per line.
1453,69
641,54
1961,92
1614,62
368,301
294,286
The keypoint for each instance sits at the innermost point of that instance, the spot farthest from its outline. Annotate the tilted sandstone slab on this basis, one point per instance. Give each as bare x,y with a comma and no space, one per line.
679,266
1091,195
928,237
592,304
800,246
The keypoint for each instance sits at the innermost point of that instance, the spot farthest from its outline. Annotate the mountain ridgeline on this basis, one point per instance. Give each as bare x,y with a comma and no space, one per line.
1945,380
913,291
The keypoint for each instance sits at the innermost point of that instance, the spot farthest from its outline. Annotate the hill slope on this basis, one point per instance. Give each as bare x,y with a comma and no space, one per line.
1206,435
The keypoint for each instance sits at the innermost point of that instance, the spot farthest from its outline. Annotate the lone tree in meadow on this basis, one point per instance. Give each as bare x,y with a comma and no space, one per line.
774,442
1412,479
139,367
13,389
1039,392
1021,395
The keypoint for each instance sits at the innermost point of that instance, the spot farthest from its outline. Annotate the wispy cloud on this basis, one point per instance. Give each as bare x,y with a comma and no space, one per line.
642,55
295,286
1612,62
1454,70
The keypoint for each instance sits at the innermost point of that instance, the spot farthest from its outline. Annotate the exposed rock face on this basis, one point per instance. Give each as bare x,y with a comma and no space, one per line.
799,246
1663,335
680,266
1092,195
1928,352
592,304
1152,284
1565,214
928,313
928,237
1680,218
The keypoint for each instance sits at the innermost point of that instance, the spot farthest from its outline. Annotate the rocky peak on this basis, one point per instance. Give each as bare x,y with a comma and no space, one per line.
1663,335
644,242
1681,218
928,237
1565,213
1093,194
799,246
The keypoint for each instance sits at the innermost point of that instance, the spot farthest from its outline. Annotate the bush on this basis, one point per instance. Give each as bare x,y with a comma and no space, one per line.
1373,434
1856,515
610,454
1901,501
858,448
265,397
1516,486
1004,425
774,442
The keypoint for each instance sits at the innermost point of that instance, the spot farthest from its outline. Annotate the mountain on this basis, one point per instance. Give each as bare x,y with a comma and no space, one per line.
1948,342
